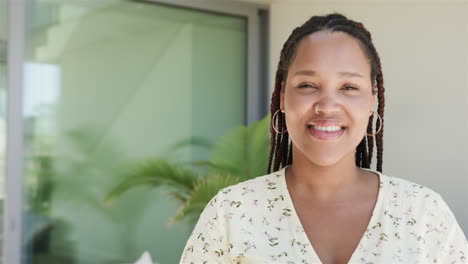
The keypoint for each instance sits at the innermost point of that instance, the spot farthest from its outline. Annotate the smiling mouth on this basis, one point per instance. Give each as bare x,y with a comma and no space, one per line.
326,132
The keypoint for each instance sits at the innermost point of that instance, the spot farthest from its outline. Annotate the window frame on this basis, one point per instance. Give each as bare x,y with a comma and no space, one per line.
257,18
12,214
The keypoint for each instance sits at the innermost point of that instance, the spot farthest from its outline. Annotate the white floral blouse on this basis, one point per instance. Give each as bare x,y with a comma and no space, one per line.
255,222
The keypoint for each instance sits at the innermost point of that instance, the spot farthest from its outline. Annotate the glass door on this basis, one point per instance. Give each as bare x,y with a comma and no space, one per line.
108,84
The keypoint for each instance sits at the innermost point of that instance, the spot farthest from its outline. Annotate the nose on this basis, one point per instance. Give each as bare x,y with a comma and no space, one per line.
327,105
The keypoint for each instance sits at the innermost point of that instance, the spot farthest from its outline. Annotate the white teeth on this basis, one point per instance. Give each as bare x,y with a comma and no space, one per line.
328,128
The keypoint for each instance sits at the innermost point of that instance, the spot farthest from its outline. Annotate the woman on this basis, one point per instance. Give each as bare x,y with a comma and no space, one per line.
323,203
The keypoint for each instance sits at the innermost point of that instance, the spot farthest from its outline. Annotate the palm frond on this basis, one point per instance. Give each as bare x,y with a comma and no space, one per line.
191,142
244,150
154,173
178,197
239,155
202,193
227,169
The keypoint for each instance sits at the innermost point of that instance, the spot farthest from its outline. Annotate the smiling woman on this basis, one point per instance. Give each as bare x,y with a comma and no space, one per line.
337,87
321,202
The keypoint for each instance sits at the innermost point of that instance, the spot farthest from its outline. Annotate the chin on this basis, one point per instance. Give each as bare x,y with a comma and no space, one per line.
325,157
324,161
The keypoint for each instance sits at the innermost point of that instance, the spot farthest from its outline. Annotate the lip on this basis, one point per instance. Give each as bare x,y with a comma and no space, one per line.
325,135
327,122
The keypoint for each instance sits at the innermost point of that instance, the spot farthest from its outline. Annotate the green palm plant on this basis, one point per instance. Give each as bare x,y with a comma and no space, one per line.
239,155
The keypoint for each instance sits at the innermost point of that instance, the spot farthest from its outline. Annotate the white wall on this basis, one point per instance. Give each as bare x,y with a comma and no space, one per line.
424,52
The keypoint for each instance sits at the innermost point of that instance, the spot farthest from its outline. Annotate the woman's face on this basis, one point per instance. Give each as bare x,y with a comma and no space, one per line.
327,97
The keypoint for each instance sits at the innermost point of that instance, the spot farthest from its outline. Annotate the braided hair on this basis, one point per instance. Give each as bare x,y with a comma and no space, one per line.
280,148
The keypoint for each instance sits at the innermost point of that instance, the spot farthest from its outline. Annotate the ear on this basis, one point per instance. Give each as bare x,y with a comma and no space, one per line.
282,96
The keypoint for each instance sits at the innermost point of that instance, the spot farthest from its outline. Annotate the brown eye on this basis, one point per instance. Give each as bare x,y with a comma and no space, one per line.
349,88
305,85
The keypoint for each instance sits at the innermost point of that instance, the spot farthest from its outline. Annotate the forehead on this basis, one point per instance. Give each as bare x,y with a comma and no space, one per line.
330,52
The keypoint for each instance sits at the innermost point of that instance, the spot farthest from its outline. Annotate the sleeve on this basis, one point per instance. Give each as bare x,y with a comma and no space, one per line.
208,243
454,244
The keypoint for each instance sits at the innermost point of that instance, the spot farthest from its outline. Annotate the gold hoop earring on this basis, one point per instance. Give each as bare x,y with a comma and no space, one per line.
381,124
316,107
273,122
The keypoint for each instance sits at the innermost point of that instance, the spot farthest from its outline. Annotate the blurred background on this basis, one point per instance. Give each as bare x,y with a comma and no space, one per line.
125,105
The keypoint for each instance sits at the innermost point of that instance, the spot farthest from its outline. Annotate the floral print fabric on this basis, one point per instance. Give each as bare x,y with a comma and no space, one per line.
255,222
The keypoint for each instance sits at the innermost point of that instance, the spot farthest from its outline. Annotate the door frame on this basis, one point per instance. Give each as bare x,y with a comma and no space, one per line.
12,213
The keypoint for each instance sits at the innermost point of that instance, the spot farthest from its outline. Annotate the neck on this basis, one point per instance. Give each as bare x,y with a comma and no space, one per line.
324,183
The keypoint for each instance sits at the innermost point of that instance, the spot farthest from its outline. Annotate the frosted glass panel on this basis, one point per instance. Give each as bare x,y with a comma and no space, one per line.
107,84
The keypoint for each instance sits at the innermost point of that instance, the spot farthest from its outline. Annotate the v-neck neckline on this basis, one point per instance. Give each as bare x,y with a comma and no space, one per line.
373,219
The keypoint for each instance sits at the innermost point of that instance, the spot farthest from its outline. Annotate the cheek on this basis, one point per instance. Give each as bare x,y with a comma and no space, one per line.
297,106
362,101
298,102
360,111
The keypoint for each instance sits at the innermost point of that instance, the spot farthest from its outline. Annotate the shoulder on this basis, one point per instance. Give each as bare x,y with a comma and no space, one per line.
420,218
413,198
253,187
253,194
399,187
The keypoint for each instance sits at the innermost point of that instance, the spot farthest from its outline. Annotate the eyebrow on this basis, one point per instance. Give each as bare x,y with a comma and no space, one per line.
343,74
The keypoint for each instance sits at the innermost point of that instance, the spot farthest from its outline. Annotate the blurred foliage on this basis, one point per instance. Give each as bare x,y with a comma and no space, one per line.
239,155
